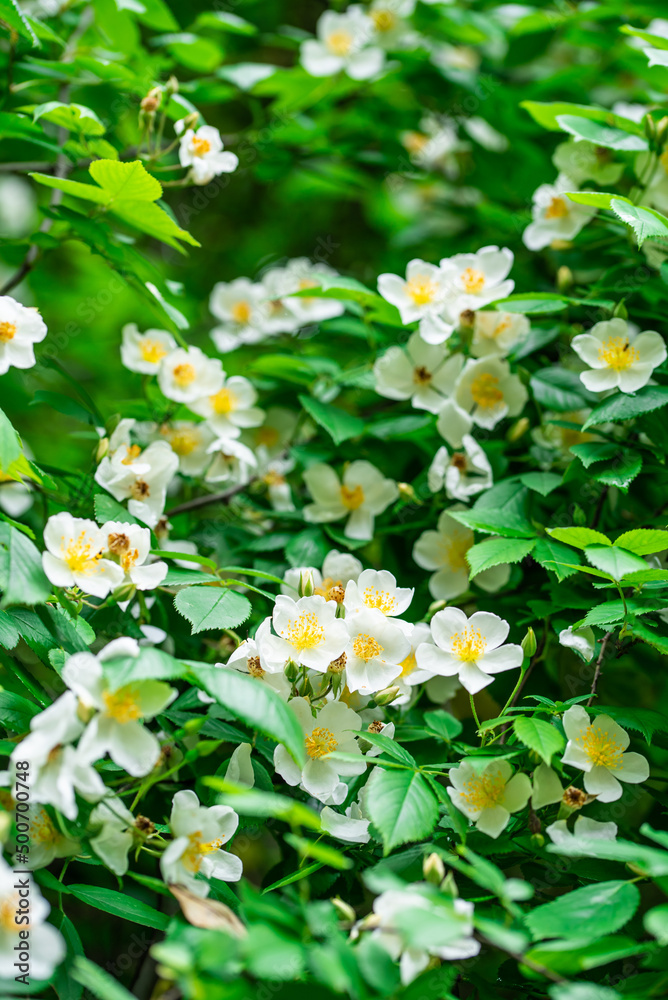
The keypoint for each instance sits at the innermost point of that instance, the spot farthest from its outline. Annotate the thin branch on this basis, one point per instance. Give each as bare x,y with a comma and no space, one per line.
599,662
210,498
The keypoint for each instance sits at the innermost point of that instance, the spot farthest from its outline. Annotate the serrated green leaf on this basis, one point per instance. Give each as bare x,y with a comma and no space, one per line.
594,451
644,541
339,424
401,806
614,561
579,537
541,482
494,551
645,222
601,134
590,912
550,554
539,736
212,607
625,406
22,579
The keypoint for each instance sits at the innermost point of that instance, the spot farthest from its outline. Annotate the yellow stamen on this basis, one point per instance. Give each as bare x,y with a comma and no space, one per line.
305,632
254,667
132,451
602,749
184,442
200,146
557,209
224,402
421,289
408,665
339,43
241,312
485,390
618,354
192,857
485,791
80,554
152,350
7,332
473,280
320,742
384,20
123,705
366,647
352,497
379,599
469,645
184,374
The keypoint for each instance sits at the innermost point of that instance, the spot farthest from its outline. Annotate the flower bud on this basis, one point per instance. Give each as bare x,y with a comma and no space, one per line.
406,492
518,429
291,670
564,278
436,606
661,133
102,449
620,311
344,911
151,102
537,839
466,319
172,86
433,869
336,593
529,644
306,585
650,127
387,695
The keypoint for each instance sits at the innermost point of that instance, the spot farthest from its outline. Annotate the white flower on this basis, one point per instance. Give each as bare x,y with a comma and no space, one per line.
376,649
377,589
32,949
474,279
497,332
411,675
202,151
57,769
16,497
199,833
46,841
338,569
187,375
141,477
115,727
487,390
238,304
75,546
462,473
392,910
308,632
333,728
240,766
444,550
130,544
190,442
230,409
618,357
598,749
453,423
247,659
363,494
421,294
233,463
581,640
21,328
349,826
584,827
471,648
143,352
298,276
487,793
341,44
422,373
435,146
390,28
555,216
547,787
273,472
114,833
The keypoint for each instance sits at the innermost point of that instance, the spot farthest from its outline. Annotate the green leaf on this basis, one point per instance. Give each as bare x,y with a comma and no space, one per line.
401,805
495,522
642,720
16,712
548,552
541,482
444,725
559,389
598,199
600,134
645,222
594,451
546,114
612,560
10,444
644,541
74,117
494,551
98,982
256,704
22,579
324,853
16,20
125,181
212,607
120,905
339,424
622,472
656,41
108,509
539,736
590,912
579,537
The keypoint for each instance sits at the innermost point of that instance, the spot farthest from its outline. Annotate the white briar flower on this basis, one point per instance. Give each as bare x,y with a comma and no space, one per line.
190,442
474,279
377,589
231,409
454,423
143,352
444,550
32,949
47,842
488,793
389,26
141,477
421,294
16,497
411,675
21,327
333,728
247,658
619,358
446,943
199,833
277,284
584,827
57,769
435,146
115,726
74,556
239,306
363,494
202,151
350,826
547,787
471,648
114,833
598,749
187,375
581,640
307,631
498,332
462,473
377,646
489,392
422,373
240,766
131,544
273,472
233,462
298,276
341,44
555,216
277,431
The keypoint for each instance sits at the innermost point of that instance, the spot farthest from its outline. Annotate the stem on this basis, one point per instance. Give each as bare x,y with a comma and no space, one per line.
473,710
599,662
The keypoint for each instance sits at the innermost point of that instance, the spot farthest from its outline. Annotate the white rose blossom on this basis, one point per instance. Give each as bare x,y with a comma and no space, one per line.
342,44
231,409
377,646
139,476
473,649
475,279
378,590
350,826
21,327
419,295
555,216
113,833
498,332
199,834
361,495
487,793
190,442
75,547
338,569
187,375
618,358
422,373
489,392
130,544
39,947
444,551
307,632
463,472
143,352
583,828
202,151
599,749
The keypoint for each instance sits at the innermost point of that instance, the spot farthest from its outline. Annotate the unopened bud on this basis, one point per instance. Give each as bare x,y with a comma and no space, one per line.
466,319
529,644
620,311
291,670
406,492
172,86
650,127
436,606
518,429
338,665
537,839
102,449
387,695
151,102
191,120
306,585
564,278
433,869
661,133
344,911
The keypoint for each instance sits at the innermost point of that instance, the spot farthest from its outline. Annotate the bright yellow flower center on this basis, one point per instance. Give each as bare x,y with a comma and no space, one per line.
408,665
152,350
421,289
484,791
241,312
485,390
340,43
8,908
80,554
7,332
193,855
123,705
320,742
557,209
200,146
352,497
602,749
415,141
184,442
618,354
454,552
224,402
305,632
473,280
469,645
384,20
327,586
380,599
132,451
366,647
184,375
